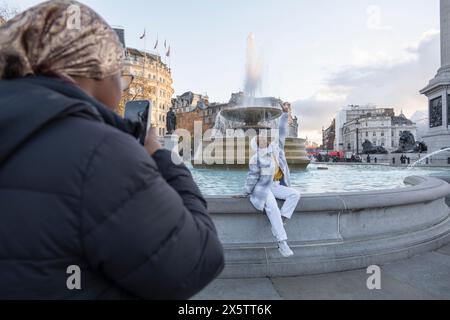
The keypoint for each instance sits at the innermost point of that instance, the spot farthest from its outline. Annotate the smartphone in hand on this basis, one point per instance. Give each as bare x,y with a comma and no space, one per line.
139,111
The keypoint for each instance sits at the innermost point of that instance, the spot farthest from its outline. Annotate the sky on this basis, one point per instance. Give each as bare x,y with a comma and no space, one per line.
319,54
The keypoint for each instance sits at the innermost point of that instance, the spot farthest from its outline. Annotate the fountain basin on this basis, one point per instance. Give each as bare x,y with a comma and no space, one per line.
227,156
251,116
336,232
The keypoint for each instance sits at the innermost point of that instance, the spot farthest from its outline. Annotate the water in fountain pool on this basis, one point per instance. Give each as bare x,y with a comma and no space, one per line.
348,178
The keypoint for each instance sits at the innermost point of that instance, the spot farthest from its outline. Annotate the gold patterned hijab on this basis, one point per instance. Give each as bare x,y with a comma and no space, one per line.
59,37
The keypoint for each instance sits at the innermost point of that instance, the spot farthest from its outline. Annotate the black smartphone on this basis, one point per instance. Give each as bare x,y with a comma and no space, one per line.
139,111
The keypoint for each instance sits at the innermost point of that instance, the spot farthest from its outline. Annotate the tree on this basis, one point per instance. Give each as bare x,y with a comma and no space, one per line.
140,89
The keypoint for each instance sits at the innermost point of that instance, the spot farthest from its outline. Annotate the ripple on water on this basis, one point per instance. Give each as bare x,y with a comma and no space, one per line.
346,178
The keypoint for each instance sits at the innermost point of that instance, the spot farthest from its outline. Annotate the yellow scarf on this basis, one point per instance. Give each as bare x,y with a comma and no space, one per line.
278,172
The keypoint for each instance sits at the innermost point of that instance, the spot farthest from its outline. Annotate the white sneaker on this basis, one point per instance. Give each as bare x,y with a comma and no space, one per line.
285,250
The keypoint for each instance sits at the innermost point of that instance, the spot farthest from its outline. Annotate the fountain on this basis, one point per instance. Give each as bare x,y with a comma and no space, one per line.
349,217
428,157
252,116
245,121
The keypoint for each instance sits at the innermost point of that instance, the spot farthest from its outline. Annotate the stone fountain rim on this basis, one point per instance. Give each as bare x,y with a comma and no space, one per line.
420,189
331,233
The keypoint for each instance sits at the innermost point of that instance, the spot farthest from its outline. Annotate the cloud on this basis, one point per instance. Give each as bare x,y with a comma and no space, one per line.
374,19
373,78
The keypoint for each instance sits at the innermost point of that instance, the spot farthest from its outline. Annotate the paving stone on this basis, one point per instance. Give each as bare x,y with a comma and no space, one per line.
420,278
429,272
445,250
239,289
351,285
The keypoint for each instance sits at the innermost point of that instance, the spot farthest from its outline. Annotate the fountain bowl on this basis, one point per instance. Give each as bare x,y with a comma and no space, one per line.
251,116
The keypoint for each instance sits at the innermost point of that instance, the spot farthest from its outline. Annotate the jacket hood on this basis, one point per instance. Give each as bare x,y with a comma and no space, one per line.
28,104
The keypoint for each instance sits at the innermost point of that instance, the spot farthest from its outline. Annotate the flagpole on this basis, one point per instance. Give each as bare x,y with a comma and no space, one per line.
169,55
145,48
155,48
165,52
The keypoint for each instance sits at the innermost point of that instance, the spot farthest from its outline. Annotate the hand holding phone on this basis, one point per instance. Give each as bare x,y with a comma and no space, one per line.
151,142
139,111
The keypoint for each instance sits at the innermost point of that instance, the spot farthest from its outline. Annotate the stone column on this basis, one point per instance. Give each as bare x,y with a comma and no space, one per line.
445,33
439,137
171,143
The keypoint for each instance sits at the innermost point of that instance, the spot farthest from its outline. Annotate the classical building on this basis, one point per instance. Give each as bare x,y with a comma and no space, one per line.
328,136
351,113
437,91
191,107
381,129
189,101
152,81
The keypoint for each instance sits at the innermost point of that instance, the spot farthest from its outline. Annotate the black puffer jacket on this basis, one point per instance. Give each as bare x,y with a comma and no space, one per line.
76,188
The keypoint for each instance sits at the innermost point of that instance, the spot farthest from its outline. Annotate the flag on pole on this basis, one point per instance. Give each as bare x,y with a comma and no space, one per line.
143,36
168,53
156,44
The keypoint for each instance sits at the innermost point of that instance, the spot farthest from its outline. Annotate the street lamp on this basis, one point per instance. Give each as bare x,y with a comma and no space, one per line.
357,123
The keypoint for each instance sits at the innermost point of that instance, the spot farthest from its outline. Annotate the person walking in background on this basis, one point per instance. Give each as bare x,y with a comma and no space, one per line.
403,159
269,180
76,187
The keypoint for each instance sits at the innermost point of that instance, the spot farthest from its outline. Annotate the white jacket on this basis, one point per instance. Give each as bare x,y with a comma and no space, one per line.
262,167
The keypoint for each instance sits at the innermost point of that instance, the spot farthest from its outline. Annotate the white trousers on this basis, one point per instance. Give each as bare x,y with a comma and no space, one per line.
291,197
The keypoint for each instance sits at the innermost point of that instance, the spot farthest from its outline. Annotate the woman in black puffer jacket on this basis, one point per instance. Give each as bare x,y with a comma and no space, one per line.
76,188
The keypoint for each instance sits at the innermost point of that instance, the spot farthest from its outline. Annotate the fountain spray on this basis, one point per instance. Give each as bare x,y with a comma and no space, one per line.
428,157
253,75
